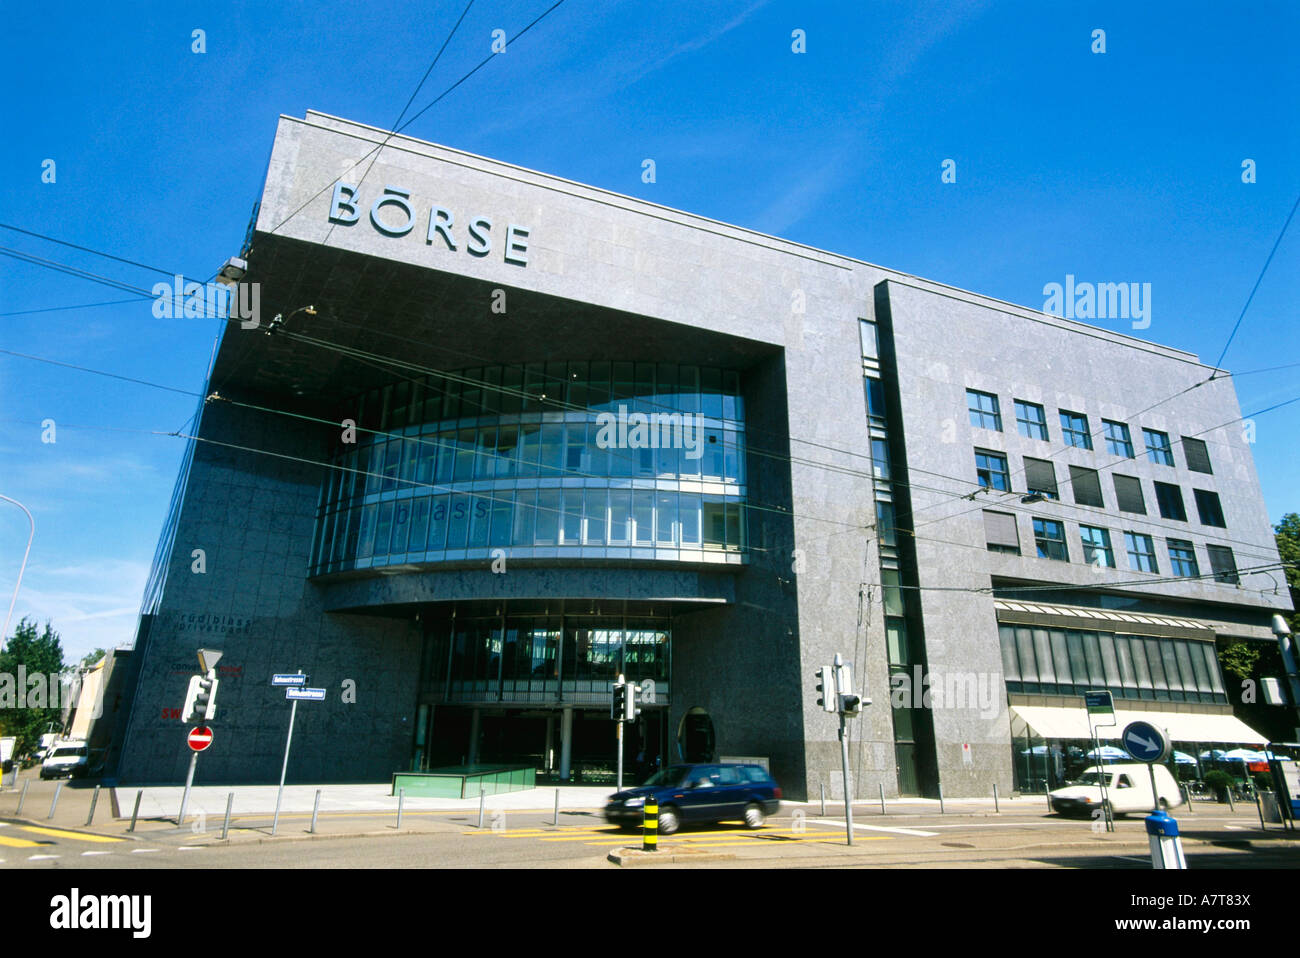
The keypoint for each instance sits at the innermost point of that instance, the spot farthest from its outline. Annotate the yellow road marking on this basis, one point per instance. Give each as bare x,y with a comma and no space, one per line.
750,842
76,836
19,842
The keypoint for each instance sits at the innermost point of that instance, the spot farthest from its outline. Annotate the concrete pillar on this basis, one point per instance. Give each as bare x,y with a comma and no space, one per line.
473,736
548,751
566,741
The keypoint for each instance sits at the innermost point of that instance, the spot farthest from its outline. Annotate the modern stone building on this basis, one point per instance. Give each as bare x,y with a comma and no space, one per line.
497,437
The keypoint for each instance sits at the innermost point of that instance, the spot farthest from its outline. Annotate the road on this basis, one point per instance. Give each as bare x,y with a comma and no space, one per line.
799,838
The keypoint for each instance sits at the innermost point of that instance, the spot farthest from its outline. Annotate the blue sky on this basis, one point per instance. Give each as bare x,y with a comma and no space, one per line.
1115,166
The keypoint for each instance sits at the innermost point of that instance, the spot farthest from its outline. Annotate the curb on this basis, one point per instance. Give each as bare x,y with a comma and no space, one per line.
630,857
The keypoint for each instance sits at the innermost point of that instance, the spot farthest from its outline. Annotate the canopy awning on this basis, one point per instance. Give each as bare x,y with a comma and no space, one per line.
1054,722
1013,611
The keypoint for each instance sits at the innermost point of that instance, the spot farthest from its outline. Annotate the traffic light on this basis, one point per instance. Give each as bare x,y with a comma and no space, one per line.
618,704
201,697
849,704
631,705
826,689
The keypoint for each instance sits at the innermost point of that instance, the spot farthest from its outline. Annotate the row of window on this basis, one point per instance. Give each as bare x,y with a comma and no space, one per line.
638,518
1031,421
1068,662
1002,535
529,450
540,652
992,472
541,387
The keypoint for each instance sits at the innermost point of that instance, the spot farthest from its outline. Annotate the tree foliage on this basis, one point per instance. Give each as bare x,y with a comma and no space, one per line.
1287,533
1239,658
41,655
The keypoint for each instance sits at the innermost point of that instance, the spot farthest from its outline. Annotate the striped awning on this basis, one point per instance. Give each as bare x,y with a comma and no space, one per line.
1013,611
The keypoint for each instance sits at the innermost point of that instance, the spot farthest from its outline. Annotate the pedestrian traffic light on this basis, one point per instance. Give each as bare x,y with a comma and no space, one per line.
826,689
618,704
201,697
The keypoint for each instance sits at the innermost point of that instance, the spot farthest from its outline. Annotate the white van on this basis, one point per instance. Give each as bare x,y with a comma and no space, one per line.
68,758
1128,789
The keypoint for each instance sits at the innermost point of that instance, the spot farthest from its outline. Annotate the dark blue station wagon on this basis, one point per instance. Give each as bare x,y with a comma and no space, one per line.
688,794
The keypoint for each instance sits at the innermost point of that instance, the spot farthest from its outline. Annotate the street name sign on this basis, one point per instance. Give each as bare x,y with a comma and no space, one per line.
305,695
281,679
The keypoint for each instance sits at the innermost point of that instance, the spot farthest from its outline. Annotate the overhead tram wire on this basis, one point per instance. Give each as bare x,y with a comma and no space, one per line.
1259,279
951,496
330,185
848,525
409,100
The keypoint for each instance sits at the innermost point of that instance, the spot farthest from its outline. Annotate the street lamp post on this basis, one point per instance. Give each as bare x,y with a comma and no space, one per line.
21,569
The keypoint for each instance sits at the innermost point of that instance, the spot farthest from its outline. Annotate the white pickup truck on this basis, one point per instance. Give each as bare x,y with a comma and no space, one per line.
1128,789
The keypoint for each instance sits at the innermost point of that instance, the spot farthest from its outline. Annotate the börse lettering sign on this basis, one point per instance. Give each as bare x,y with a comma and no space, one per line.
393,215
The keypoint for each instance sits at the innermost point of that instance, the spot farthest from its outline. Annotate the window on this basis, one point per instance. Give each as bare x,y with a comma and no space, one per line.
1170,500
1118,441
1158,450
1049,537
1182,558
1040,477
870,344
1197,455
1074,428
1096,547
1141,552
1086,486
1031,420
1128,494
1207,505
984,412
1222,564
1000,532
880,458
991,469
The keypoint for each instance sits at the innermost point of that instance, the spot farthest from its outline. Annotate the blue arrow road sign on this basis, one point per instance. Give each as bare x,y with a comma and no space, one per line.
281,678
1145,742
310,695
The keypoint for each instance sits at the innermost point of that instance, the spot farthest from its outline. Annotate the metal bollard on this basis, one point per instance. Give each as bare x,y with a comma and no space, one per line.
1259,808
57,788
315,809
1187,797
823,788
225,825
135,812
23,797
882,798
996,807
1047,794
1232,806
401,797
482,797
650,826
94,800
555,817
941,808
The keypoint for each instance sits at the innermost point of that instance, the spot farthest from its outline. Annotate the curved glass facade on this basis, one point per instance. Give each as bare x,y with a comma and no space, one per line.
557,460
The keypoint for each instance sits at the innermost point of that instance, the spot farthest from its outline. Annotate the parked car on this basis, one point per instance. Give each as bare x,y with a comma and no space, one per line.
1128,789
68,759
690,794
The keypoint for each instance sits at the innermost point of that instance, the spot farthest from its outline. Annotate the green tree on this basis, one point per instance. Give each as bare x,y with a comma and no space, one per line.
1287,533
90,658
1239,658
41,657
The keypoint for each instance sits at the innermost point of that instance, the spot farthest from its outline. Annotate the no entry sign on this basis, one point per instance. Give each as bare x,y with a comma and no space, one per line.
199,738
